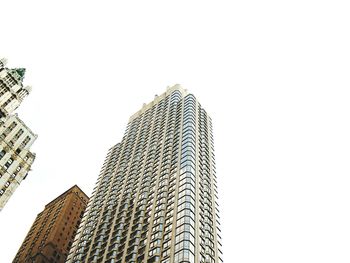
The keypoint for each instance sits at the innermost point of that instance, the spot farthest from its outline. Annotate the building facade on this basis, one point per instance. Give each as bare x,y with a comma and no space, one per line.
12,91
15,157
155,199
52,233
15,137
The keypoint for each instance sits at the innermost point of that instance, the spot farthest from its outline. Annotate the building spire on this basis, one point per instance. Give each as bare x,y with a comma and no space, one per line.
21,72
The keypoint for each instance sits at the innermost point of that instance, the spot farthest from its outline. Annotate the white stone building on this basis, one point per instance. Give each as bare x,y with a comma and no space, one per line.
12,91
15,137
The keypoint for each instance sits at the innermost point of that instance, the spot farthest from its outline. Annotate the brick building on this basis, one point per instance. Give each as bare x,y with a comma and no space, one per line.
53,230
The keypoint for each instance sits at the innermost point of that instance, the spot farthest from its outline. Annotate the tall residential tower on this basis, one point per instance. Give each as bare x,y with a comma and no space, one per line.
15,137
155,199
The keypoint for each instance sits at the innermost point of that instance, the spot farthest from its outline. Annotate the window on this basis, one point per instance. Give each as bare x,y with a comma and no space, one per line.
9,162
2,153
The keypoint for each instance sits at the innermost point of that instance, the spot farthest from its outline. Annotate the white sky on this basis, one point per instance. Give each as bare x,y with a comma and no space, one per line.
273,75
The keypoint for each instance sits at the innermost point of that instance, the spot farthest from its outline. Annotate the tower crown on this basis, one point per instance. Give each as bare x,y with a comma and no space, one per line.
18,73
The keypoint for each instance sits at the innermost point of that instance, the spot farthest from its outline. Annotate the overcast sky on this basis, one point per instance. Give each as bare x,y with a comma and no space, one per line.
273,75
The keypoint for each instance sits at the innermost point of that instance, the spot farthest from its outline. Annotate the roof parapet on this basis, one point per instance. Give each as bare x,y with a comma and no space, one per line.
157,98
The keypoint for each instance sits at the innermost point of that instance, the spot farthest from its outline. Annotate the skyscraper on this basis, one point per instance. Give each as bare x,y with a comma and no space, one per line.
12,91
52,233
15,137
155,199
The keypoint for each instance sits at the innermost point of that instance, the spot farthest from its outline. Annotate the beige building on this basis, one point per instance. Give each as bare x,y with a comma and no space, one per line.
15,157
12,91
52,233
15,137
155,199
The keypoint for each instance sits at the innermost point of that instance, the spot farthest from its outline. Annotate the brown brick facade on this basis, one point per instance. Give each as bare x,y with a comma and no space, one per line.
53,231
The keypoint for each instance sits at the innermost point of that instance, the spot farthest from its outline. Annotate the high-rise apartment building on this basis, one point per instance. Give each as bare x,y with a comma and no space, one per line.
155,199
52,233
15,137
